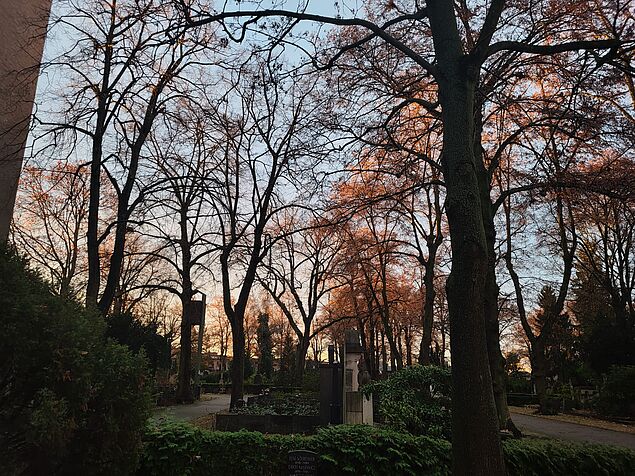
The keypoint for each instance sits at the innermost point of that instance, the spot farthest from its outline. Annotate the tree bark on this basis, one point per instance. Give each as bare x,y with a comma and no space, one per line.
495,356
492,329
92,232
476,444
539,372
300,362
184,385
184,388
428,310
238,361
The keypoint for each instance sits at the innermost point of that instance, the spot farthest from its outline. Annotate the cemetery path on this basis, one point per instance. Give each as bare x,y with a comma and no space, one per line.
217,403
572,431
527,423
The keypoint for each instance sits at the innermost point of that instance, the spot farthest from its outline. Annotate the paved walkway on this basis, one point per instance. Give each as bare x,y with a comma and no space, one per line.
217,403
527,423
572,431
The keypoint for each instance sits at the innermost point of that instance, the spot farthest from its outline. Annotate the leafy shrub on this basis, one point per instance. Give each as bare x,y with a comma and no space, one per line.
415,399
306,404
311,380
540,457
564,397
522,399
519,382
181,449
173,449
214,377
617,394
70,402
139,336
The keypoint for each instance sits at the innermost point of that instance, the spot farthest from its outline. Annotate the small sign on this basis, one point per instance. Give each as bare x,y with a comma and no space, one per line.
303,463
196,311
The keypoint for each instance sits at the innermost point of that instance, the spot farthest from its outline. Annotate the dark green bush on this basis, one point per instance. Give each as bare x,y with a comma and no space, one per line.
311,380
173,449
70,401
139,336
519,382
280,403
415,399
522,399
541,457
617,394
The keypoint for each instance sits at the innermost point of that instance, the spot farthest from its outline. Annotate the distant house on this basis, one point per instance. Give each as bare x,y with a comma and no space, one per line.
212,361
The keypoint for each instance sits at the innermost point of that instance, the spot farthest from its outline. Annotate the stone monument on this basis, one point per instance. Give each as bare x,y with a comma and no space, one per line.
357,407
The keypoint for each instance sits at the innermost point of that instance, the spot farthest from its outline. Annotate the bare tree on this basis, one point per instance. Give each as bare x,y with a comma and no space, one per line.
50,224
268,143
457,42
300,271
122,68
177,219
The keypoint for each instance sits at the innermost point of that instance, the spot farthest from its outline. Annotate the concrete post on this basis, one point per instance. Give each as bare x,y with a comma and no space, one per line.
22,32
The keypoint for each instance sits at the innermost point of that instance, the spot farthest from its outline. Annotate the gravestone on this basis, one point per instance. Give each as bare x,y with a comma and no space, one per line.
331,390
302,463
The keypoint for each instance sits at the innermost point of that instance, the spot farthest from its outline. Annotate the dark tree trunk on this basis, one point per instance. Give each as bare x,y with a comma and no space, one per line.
492,329
238,361
428,313
94,269
408,342
300,358
184,385
476,448
375,372
384,361
367,346
539,372
496,359
94,265
396,360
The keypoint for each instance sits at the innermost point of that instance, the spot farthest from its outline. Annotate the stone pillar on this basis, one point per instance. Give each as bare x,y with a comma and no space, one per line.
22,32
357,408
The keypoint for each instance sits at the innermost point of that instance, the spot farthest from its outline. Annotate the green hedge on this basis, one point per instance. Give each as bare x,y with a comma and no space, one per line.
173,449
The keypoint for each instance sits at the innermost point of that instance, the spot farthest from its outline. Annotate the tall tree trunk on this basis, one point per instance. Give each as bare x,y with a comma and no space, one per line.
539,372
238,360
496,359
408,343
476,448
92,232
184,385
428,311
384,360
492,329
372,364
395,354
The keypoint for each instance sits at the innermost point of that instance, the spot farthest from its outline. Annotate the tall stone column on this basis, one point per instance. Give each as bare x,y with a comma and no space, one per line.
22,32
